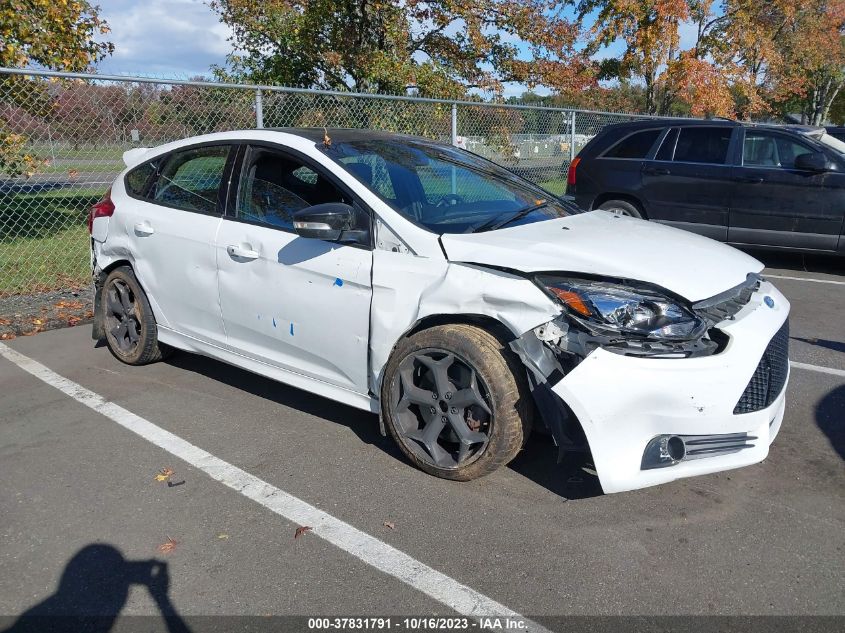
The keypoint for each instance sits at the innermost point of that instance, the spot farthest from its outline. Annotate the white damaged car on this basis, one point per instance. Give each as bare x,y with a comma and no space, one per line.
463,304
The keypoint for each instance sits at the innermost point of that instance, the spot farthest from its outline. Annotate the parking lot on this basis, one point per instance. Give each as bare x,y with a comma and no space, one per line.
252,460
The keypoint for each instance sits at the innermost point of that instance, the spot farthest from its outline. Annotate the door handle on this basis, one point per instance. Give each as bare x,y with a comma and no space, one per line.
751,180
144,229
242,251
656,171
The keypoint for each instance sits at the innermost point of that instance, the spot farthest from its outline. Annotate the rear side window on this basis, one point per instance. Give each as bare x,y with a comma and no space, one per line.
137,179
635,146
190,180
703,145
667,147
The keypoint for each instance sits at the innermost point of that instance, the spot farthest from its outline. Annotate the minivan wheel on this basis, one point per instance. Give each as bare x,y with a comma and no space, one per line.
130,326
621,207
456,401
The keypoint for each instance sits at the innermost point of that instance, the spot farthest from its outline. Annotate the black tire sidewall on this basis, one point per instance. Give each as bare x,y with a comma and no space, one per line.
147,350
506,390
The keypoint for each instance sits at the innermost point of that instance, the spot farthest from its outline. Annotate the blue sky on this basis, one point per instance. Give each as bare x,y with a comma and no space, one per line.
183,38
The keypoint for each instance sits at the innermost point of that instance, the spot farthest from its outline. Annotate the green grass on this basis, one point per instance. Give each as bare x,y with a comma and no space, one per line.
556,186
44,239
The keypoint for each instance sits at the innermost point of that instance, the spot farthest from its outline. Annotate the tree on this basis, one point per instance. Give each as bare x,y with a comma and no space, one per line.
49,33
443,47
650,32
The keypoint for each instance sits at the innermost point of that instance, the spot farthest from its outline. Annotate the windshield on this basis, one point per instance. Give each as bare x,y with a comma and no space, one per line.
832,142
445,189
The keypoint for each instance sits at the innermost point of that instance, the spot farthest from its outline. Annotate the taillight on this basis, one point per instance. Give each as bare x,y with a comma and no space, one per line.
570,176
103,209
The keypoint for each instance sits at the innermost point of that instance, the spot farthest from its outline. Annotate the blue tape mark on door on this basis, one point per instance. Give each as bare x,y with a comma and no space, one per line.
274,321
291,329
338,282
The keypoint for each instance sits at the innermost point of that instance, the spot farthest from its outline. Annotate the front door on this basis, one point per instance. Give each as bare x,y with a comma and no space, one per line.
687,184
775,204
299,304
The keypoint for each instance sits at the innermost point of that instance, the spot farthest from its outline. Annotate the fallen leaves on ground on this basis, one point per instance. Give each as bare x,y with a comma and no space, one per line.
5,321
164,474
71,305
168,546
6,336
302,529
223,537
389,524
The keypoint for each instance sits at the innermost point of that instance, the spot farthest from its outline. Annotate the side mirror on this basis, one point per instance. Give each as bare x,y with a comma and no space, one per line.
324,221
813,161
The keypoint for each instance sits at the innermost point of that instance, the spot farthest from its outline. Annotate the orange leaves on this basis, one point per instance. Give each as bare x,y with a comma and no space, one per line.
301,530
164,474
168,546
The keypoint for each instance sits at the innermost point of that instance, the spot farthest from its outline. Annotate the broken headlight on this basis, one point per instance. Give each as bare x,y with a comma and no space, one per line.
615,308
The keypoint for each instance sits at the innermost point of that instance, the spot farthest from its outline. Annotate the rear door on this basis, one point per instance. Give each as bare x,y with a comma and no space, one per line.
299,304
171,234
775,204
687,184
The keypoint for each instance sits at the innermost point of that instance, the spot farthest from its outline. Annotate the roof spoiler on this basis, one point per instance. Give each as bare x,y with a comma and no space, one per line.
134,156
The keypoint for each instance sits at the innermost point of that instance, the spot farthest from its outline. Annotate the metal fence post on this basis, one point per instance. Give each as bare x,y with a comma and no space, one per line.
572,137
455,124
259,110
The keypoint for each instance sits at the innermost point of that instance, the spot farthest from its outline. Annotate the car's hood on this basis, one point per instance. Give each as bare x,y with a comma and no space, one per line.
601,243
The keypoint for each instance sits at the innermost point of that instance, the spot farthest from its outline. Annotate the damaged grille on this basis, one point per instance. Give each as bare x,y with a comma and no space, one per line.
726,304
769,377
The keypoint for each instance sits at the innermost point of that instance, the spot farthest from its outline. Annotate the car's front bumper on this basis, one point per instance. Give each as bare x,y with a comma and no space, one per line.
623,402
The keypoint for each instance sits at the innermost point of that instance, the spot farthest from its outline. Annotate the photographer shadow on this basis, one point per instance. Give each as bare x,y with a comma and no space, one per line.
93,590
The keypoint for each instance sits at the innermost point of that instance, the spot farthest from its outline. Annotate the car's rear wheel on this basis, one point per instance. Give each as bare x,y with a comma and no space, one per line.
456,401
130,326
621,207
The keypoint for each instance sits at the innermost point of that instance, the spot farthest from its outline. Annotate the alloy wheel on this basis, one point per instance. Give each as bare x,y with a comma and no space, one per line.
122,321
441,408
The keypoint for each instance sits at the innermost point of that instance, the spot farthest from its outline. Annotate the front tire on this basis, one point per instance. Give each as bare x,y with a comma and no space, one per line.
456,401
128,320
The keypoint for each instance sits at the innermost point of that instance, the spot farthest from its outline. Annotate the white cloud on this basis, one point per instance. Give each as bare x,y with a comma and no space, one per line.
176,38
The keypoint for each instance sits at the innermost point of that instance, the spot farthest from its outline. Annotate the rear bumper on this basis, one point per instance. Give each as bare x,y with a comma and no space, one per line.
624,402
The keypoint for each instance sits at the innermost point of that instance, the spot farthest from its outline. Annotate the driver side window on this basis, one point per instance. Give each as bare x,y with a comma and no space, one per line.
274,186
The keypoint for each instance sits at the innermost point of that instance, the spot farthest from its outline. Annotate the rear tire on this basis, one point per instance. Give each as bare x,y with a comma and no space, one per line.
481,421
128,320
621,207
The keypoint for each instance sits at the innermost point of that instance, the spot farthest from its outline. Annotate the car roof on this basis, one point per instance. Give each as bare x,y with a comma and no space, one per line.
346,135
676,122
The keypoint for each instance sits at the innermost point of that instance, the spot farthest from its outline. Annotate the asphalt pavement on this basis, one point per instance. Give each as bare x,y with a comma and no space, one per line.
537,537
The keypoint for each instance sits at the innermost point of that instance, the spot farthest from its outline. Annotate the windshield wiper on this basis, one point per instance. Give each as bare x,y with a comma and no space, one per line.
494,223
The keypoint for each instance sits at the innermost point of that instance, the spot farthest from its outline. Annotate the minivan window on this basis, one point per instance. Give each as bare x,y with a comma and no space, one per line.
667,147
703,145
634,146
763,149
190,179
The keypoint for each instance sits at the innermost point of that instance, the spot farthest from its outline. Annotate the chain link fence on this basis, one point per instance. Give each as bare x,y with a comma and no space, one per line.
62,136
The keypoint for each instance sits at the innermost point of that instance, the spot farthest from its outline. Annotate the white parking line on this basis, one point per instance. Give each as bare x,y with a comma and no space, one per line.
815,281
369,549
818,368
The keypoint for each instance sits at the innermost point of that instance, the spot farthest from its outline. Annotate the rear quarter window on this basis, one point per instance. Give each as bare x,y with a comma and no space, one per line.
136,180
636,145
703,145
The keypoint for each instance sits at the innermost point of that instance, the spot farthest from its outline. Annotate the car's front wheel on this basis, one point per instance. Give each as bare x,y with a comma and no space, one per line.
130,326
456,400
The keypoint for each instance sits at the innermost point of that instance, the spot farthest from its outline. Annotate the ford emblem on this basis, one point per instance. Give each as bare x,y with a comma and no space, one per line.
769,301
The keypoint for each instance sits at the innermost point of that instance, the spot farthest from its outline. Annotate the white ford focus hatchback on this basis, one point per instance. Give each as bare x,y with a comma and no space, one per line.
463,304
